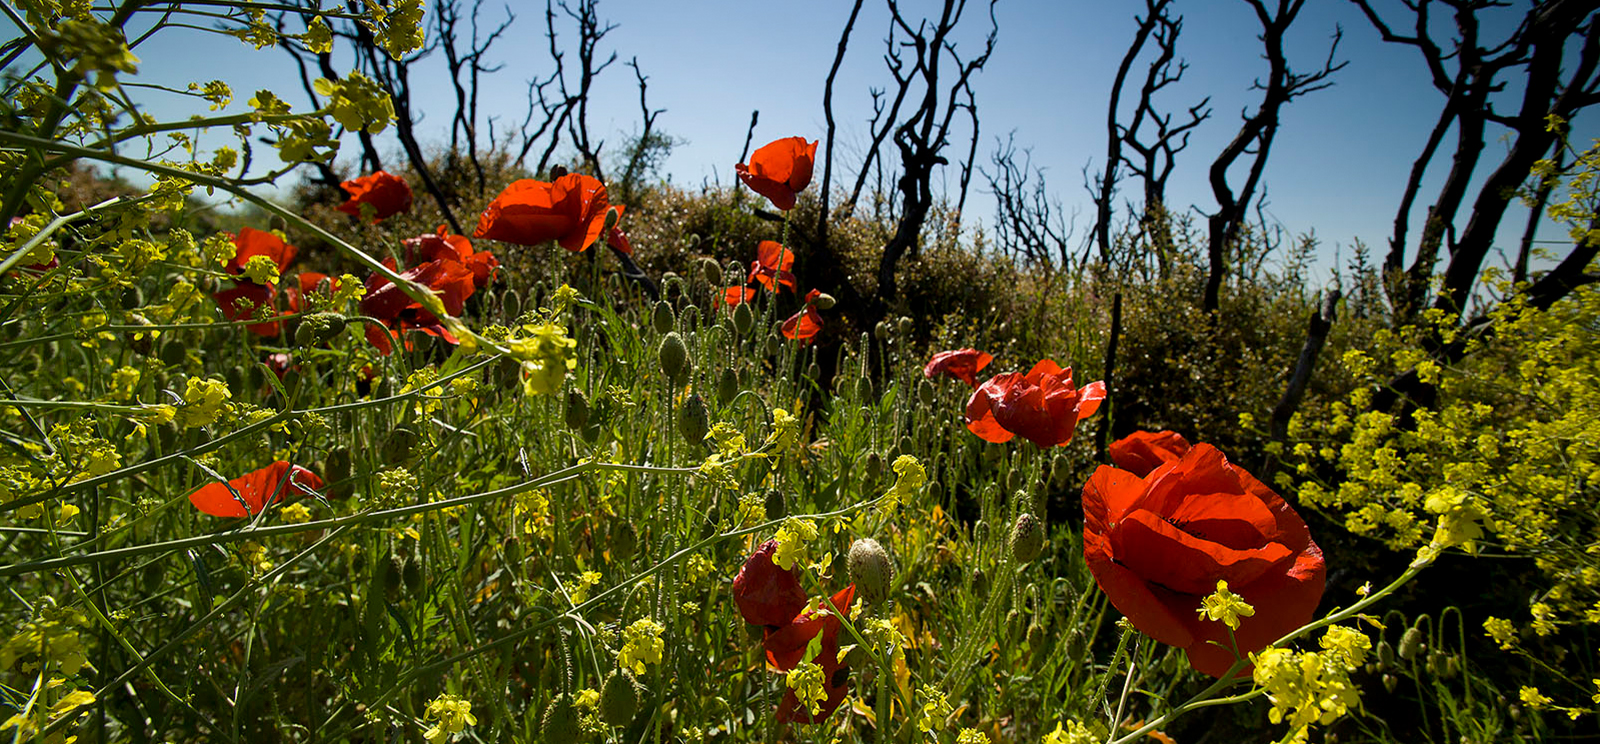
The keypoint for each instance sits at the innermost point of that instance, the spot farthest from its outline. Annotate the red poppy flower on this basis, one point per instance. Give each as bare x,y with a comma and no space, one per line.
765,594
1144,451
243,301
807,323
570,211
1041,406
780,170
772,264
251,242
257,489
442,245
384,301
619,239
280,364
786,647
962,364
387,194
1157,546
738,295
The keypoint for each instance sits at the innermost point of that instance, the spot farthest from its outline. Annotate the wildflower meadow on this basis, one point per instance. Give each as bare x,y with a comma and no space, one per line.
510,439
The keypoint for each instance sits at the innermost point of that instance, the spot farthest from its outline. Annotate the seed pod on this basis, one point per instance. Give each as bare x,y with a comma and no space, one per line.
336,471
1027,538
925,392
674,357
777,505
662,318
624,540
1435,664
619,699
319,328
744,319
1390,682
980,584
727,387
560,725
1410,643
871,570
576,412
694,420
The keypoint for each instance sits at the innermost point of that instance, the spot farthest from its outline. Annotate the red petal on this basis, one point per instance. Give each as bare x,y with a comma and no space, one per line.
257,488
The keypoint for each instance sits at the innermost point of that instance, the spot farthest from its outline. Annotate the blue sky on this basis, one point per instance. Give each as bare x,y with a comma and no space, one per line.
1338,166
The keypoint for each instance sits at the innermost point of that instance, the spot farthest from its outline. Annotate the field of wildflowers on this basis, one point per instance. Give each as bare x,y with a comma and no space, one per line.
551,481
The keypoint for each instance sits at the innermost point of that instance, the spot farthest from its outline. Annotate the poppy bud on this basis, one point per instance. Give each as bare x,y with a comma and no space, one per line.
510,304
1059,471
864,389
560,724
1452,666
777,505
670,282
132,297
906,326
980,584
140,341
773,344
814,371
727,387
674,357
576,412
874,466
336,473
744,319
512,550
690,318
935,491
870,570
411,574
881,330
318,328
712,271
980,532
1385,655
391,568
1390,682
693,420
619,699
1410,643
907,447
925,392
1435,664
398,446
624,540
1014,480
1035,635
611,220
662,318
823,301
1027,538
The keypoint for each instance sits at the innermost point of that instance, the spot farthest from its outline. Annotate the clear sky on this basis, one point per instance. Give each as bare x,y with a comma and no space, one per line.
1338,165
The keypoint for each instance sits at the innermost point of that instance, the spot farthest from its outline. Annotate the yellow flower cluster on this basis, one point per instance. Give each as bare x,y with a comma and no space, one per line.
1073,732
793,538
451,715
805,679
203,401
641,644
1313,687
1225,606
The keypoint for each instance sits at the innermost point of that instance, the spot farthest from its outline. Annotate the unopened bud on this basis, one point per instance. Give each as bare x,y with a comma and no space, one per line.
694,420
744,319
823,301
773,344
777,505
925,392
619,699
674,357
576,412
662,318
712,271
1027,538
727,386
611,220
510,304
1410,643
871,570
906,326
319,328
336,473
624,540
881,330
560,720
1035,636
